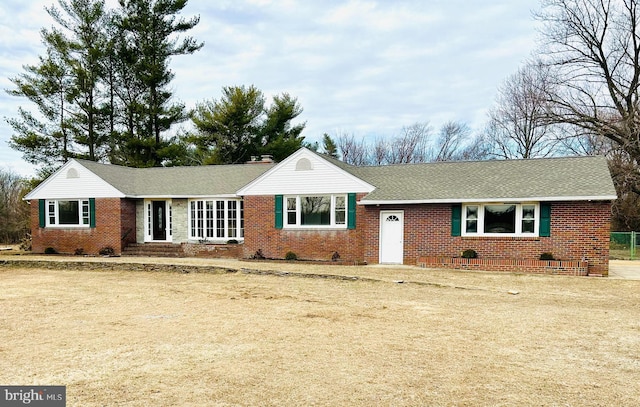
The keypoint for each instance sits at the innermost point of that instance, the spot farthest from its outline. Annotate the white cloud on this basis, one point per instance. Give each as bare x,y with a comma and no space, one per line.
363,67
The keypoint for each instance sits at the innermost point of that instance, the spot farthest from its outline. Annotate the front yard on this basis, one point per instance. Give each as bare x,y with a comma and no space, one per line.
436,338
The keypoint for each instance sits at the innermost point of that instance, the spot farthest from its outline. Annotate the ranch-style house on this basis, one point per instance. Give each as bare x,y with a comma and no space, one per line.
509,212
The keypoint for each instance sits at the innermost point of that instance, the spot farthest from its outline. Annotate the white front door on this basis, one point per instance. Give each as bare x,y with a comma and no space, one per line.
391,237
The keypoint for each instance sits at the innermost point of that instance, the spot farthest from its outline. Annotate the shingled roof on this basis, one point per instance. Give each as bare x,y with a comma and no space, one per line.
205,180
566,178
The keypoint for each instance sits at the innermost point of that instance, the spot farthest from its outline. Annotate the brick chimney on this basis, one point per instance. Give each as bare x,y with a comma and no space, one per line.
263,159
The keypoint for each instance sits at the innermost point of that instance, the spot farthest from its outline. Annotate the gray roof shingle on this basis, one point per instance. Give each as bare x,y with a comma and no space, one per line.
206,180
549,178
558,178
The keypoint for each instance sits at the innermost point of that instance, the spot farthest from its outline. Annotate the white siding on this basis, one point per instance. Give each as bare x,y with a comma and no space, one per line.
74,181
320,177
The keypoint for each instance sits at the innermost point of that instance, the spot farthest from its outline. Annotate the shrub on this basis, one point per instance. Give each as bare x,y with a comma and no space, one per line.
106,251
546,256
291,256
50,250
469,254
259,255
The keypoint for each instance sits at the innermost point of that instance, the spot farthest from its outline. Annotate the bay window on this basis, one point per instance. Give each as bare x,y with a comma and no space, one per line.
500,219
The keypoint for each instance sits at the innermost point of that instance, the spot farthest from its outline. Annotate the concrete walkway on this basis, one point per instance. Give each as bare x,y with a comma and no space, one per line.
624,269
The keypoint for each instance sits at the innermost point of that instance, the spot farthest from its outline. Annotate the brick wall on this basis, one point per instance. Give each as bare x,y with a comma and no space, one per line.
113,218
127,222
309,244
568,268
579,231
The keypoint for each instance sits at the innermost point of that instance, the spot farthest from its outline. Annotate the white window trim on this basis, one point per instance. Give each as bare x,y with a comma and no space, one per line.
331,225
518,225
56,214
239,220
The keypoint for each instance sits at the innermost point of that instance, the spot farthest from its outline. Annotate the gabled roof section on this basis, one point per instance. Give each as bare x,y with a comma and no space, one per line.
73,180
157,182
562,179
305,172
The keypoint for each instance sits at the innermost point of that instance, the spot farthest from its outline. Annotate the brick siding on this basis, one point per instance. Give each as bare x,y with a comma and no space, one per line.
307,244
114,217
579,231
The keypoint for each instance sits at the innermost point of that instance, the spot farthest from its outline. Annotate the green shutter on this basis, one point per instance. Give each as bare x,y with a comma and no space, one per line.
92,212
278,211
351,211
42,213
545,219
456,220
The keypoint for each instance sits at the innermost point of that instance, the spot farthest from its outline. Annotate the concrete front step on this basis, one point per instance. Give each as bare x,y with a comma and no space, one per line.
153,250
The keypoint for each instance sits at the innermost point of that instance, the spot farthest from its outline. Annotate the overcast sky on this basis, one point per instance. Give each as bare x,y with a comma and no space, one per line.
366,68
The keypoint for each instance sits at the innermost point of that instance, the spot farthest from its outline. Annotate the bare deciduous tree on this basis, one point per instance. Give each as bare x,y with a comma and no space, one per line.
411,145
354,152
593,47
453,135
518,125
478,148
380,151
14,212
415,144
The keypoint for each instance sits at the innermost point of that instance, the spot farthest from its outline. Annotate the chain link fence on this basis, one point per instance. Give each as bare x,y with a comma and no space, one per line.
623,245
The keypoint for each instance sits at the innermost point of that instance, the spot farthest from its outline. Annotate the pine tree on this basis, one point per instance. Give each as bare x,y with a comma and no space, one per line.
147,29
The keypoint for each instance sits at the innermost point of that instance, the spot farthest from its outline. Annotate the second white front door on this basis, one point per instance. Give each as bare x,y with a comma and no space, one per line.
391,237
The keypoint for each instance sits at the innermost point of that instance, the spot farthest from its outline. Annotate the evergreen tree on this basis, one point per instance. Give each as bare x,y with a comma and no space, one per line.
146,43
101,91
81,46
329,146
278,137
238,126
43,138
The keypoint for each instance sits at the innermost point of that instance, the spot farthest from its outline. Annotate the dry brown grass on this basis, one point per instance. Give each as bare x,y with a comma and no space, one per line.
449,338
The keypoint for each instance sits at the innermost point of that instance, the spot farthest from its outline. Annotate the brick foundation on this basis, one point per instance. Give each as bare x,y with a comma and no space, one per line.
570,268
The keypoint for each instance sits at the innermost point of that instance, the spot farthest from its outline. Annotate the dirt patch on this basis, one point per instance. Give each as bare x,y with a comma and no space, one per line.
400,337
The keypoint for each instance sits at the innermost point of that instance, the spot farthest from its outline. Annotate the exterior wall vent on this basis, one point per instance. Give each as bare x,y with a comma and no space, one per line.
304,164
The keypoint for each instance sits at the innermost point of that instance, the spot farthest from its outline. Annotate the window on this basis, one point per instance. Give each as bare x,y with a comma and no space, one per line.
498,219
69,213
216,219
316,211
232,218
340,210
